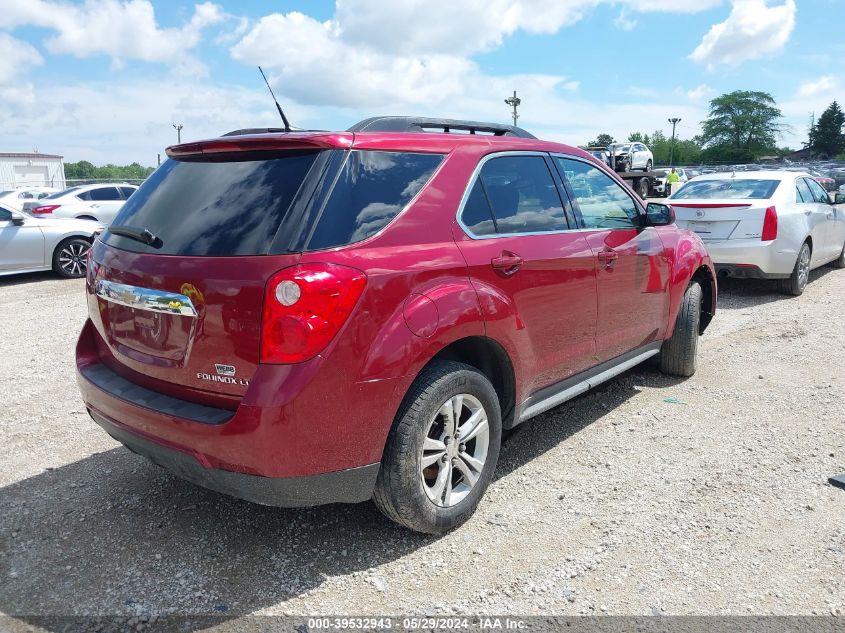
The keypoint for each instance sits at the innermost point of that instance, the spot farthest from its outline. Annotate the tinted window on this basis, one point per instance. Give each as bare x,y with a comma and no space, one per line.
85,195
523,195
371,190
476,214
731,189
819,194
214,208
5,215
127,191
804,191
105,193
604,203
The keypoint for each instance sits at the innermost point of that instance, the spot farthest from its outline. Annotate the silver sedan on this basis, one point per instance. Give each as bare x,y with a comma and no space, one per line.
30,244
764,224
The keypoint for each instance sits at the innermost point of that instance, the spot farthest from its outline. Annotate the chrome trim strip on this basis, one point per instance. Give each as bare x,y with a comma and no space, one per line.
576,390
145,298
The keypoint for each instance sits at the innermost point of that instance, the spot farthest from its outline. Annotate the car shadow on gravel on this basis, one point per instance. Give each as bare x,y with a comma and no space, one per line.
113,534
27,278
739,294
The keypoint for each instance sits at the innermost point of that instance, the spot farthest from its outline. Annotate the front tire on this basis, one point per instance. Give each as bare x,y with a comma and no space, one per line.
679,354
442,450
70,259
796,283
648,166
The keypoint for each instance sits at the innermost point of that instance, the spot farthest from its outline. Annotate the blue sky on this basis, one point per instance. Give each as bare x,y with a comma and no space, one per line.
103,80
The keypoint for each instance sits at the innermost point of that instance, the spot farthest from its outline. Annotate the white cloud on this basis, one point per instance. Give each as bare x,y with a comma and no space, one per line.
753,30
16,58
820,86
625,22
699,92
120,29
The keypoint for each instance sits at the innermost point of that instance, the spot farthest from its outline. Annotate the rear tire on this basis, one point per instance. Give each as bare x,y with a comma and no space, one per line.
408,491
796,283
70,259
643,187
679,354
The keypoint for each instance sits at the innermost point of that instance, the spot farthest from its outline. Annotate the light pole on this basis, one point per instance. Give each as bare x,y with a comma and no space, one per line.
178,127
674,121
514,101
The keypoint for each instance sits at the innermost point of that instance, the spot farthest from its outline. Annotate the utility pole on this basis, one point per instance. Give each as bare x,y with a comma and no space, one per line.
178,127
514,101
674,121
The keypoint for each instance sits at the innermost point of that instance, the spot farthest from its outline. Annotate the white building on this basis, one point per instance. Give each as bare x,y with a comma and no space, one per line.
31,170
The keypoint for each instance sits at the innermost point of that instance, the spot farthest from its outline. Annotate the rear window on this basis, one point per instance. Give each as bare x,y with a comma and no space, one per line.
213,208
732,189
371,190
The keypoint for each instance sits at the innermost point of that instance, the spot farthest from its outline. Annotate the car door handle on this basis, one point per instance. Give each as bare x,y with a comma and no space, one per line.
507,263
608,256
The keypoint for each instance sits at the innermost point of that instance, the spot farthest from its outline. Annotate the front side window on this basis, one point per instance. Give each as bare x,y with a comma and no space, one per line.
604,203
522,195
5,215
371,190
819,194
127,191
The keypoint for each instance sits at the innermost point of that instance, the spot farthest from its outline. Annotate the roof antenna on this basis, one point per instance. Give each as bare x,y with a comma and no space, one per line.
278,107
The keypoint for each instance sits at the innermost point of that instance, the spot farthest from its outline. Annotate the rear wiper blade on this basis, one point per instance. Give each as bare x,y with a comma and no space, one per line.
145,236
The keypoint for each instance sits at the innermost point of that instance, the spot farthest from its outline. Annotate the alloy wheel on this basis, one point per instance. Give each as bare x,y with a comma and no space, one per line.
804,266
72,258
455,450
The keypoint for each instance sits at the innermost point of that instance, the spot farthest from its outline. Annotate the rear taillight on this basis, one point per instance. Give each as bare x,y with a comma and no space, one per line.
770,225
304,308
47,208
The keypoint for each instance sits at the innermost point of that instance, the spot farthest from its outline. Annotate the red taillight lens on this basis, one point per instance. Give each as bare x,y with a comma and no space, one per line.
770,225
304,308
47,208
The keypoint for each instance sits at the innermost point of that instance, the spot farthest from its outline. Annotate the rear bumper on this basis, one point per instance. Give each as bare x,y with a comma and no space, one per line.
772,260
347,486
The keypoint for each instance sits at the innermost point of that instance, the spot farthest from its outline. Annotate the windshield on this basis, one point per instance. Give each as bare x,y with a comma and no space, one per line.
732,189
618,146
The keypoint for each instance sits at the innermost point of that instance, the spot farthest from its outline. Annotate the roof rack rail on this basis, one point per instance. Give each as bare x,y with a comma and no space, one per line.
424,124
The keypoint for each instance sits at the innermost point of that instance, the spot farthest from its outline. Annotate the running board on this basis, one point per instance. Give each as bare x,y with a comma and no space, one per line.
550,397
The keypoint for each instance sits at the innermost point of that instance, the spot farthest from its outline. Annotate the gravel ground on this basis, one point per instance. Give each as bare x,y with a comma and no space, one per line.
616,503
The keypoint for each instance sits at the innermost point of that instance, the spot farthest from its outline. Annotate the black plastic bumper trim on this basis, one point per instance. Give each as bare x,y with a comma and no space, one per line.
354,485
116,385
745,272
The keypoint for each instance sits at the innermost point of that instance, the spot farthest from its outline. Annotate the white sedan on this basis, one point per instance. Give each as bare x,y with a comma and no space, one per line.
30,244
100,202
16,198
764,224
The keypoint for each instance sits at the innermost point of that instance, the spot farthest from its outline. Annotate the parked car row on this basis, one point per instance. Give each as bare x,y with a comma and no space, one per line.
100,202
16,198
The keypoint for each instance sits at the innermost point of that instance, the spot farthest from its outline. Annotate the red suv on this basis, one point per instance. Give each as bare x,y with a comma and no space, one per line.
307,318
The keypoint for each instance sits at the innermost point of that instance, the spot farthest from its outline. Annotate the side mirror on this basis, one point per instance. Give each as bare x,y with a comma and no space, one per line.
657,214
18,219
839,198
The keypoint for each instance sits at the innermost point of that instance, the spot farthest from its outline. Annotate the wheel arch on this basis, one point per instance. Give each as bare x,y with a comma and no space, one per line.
490,358
707,281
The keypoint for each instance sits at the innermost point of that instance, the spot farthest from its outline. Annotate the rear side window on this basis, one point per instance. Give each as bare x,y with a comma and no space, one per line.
523,195
371,189
105,193
214,208
728,189
476,214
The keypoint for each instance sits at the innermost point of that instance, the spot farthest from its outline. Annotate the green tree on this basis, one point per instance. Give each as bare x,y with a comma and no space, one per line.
603,140
826,137
741,126
83,170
